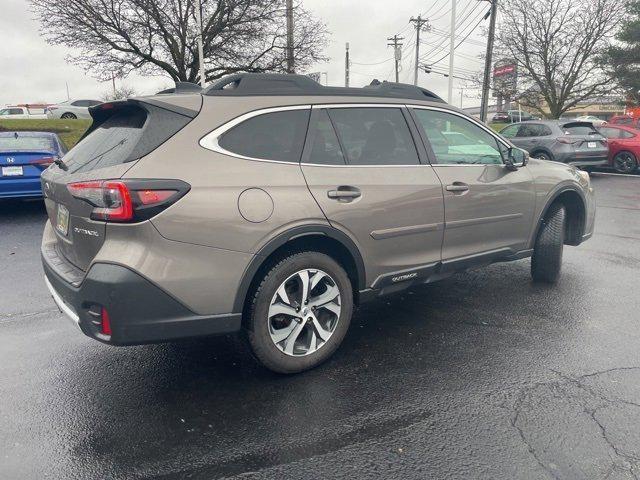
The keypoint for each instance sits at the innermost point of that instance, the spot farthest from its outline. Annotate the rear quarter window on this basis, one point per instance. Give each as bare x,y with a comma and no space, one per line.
270,136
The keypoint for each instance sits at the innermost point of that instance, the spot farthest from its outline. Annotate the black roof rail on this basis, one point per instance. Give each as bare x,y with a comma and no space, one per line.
247,84
182,87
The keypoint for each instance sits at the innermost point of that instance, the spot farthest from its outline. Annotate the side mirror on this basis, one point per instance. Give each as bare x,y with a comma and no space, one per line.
515,158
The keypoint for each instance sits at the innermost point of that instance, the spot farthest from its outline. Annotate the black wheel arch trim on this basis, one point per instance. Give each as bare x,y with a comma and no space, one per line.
292,234
552,198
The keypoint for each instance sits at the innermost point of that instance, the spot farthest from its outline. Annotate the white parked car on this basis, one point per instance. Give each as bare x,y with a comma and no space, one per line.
22,111
595,121
71,109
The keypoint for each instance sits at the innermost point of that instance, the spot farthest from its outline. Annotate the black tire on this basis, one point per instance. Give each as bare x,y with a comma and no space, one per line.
258,323
541,156
625,162
68,116
546,261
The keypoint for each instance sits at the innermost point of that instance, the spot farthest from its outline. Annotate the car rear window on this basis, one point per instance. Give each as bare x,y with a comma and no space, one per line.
12,143
111,143
575,129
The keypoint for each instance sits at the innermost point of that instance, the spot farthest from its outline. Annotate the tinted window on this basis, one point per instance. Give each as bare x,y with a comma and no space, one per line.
80,103
610,132
109,144
625,134
445,132
533,130
325,149
510,131
10,143
374,136
576,129
271,136
15,111
93,103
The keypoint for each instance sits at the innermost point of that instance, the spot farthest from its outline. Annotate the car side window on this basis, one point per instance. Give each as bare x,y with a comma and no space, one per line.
510,132
610,132
15,111
325,149
625,134
374,136
533,130
270,136
474,146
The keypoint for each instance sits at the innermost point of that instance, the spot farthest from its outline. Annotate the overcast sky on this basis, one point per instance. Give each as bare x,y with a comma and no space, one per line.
33,70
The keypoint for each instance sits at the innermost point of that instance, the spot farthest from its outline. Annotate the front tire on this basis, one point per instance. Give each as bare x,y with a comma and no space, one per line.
542,156
68,116
546,261
300,312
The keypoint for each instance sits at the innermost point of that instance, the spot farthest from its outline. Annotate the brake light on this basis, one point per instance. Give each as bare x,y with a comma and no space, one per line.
44,161
128,200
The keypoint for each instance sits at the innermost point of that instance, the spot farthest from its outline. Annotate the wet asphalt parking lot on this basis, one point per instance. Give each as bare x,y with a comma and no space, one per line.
482,376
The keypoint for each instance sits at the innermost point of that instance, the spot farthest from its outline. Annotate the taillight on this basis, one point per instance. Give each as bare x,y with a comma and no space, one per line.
128,200
568,140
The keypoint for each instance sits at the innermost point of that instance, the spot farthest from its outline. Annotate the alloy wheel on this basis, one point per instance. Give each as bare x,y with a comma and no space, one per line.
624,162
304,312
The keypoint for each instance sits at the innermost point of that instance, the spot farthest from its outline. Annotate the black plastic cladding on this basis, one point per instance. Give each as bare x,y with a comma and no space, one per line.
245,84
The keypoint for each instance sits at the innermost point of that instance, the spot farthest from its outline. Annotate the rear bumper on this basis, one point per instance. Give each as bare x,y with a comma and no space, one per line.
139,311
20,187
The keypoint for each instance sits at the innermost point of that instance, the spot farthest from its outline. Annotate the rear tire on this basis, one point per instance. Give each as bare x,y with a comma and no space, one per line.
68,116
541,156
546,261
625,162
292,328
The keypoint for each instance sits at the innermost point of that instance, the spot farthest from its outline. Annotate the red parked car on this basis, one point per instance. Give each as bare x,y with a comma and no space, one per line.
625,120
624,147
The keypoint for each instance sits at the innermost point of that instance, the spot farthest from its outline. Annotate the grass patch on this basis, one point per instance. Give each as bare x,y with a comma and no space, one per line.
498,126
69,131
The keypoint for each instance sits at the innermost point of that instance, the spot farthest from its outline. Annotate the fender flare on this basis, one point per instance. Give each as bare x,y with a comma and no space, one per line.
281,239
552,198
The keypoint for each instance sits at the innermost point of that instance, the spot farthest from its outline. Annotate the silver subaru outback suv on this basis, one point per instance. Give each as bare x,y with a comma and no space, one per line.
270,205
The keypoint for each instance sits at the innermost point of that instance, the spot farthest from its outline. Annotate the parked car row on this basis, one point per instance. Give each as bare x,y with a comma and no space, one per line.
580,143
511,116
70,109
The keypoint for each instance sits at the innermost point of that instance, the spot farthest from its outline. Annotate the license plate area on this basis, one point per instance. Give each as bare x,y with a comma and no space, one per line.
62,220
12,171
591,144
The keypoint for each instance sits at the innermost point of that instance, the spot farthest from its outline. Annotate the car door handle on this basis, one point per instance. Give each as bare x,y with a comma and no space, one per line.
344,193
457,187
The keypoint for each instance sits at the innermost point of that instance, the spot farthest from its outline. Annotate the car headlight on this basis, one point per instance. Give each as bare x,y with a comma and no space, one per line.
586,179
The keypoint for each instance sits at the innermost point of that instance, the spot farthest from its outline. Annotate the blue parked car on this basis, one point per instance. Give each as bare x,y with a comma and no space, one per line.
23,157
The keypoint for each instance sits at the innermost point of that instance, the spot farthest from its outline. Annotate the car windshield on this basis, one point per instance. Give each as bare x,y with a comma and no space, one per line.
12,143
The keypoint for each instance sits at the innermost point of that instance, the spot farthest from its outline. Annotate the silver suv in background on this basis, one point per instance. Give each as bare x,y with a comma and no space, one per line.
567,141
71,109
272,206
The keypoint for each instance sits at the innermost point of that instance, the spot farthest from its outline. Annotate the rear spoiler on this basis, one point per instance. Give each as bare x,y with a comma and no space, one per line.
100,113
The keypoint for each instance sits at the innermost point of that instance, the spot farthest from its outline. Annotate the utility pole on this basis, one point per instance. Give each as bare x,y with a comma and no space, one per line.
452,47
290,65
484,104
419,23
200,46
113,83
397,52
346,64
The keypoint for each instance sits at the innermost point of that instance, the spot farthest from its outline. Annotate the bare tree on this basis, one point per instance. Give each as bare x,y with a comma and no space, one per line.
556,45
115,37
121,92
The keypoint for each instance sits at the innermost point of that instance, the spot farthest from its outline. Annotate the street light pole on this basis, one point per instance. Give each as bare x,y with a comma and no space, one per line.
200,45
484,105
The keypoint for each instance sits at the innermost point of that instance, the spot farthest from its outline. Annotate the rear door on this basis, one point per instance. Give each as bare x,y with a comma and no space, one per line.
362,166
489,209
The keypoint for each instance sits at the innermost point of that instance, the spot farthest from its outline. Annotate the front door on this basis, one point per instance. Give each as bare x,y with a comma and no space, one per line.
363,169
489,209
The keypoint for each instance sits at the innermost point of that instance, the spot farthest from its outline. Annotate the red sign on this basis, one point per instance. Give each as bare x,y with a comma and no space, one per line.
504,70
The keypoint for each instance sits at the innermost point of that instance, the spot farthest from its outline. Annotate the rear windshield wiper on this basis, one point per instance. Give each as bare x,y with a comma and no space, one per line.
61,164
